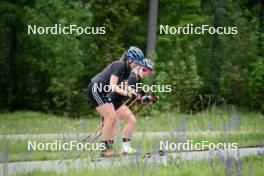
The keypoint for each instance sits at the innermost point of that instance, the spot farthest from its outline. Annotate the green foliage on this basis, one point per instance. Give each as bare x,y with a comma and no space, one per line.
232,82
63,61
256,83
125,26
52,65
177,61
238,52
49,72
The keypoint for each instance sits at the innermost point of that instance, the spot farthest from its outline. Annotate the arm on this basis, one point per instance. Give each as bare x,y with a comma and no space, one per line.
117,70
115,88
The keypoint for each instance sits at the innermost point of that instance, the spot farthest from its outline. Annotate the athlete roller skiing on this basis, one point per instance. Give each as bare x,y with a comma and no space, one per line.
112,76
123,111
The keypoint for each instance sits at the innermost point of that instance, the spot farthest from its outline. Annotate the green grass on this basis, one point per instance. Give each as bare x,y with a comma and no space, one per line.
17,149
250,165
27,122
215,119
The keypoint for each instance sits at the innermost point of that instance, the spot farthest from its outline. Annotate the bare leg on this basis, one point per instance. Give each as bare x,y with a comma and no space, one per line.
108,112
126,114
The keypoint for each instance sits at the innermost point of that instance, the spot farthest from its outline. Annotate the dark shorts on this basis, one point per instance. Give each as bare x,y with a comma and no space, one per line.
118,103
117,99
97,97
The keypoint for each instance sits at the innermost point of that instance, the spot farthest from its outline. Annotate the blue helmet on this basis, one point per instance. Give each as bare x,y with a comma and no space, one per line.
148,63
135,54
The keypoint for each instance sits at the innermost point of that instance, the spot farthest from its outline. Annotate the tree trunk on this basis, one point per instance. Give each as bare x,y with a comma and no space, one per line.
12,50
216,61
261,28
221,3
152,24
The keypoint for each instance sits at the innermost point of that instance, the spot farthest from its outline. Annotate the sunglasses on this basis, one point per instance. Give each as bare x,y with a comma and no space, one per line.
146,70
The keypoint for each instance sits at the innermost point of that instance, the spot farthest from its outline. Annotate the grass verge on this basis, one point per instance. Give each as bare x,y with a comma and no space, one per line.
214,119
17,150
250,165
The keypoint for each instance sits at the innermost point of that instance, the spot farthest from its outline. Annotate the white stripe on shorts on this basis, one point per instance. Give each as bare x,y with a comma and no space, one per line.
96,96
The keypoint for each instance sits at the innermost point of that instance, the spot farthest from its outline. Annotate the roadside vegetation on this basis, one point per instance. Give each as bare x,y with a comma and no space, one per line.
250,165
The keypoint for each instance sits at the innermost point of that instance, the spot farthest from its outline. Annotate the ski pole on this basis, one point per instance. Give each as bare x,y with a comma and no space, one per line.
152,100
133,102
127,101
128,115
99,134
92,140
101,125
86,138
96,130
142,109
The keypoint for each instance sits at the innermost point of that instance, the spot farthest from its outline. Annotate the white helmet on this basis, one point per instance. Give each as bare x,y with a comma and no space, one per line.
148,63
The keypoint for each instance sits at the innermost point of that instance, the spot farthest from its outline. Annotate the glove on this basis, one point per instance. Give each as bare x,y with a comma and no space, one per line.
145,99
149,99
